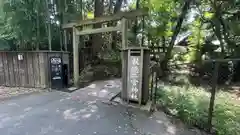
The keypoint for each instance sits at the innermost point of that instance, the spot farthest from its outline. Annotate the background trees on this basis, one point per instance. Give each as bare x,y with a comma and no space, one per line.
35,24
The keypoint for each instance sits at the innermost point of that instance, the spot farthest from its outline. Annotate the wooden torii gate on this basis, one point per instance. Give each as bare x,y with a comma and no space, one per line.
123,16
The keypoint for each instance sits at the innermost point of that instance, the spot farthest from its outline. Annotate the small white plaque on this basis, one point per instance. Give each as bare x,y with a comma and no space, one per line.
20,57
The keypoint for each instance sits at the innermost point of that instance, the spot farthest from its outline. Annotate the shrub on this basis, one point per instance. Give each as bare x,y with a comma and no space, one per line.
199,70
191,105
100,71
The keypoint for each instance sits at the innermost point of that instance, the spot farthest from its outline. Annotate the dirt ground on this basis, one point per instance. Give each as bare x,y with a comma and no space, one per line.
10,92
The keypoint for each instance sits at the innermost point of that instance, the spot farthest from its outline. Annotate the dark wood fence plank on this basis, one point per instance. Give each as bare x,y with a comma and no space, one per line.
5,65
42,70
30,70
22,69
2,74
38,79
47,72
16,70
10,68
36,69
26,70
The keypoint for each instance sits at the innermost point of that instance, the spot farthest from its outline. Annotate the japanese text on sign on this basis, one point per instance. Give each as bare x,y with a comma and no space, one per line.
134,77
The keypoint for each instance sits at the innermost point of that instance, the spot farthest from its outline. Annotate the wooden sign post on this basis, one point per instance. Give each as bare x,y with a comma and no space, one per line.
136,75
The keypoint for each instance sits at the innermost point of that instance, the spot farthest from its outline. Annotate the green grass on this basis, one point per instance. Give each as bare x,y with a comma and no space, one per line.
191,103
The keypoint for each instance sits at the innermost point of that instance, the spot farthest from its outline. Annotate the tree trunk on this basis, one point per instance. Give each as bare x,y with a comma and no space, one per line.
38,27
114,34
60,8
49,37
175,34
135,27
217,31
48,26
218,24
97,40
117,6
225,31
163,44
110,6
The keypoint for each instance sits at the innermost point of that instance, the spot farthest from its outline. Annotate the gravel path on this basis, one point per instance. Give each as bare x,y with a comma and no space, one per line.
83,112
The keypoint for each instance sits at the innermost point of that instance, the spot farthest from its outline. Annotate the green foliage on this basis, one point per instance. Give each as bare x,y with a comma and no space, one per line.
196,40
208,15
90,15
227,111
20,18
25,22
191,105
163,14
4,45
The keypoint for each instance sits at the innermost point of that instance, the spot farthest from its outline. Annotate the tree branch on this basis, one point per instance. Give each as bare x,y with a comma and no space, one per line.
176,31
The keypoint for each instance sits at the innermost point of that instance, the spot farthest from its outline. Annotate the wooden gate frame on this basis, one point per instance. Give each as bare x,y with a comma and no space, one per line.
123,27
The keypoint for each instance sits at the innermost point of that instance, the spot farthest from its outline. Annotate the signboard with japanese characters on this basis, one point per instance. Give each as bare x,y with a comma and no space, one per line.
56,72
134,78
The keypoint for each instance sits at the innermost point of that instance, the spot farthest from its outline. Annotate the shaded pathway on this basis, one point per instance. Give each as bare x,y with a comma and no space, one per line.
82,112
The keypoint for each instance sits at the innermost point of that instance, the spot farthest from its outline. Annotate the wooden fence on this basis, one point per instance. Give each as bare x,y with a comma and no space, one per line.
27,69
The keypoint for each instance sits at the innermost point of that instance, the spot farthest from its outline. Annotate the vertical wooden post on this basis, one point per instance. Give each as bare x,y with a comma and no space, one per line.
124,45
128,75
65,39
141,77
213,93
155,88
151,91
124,33
75,57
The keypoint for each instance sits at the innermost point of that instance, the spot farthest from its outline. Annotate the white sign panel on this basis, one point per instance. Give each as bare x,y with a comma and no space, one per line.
134,78
20,57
